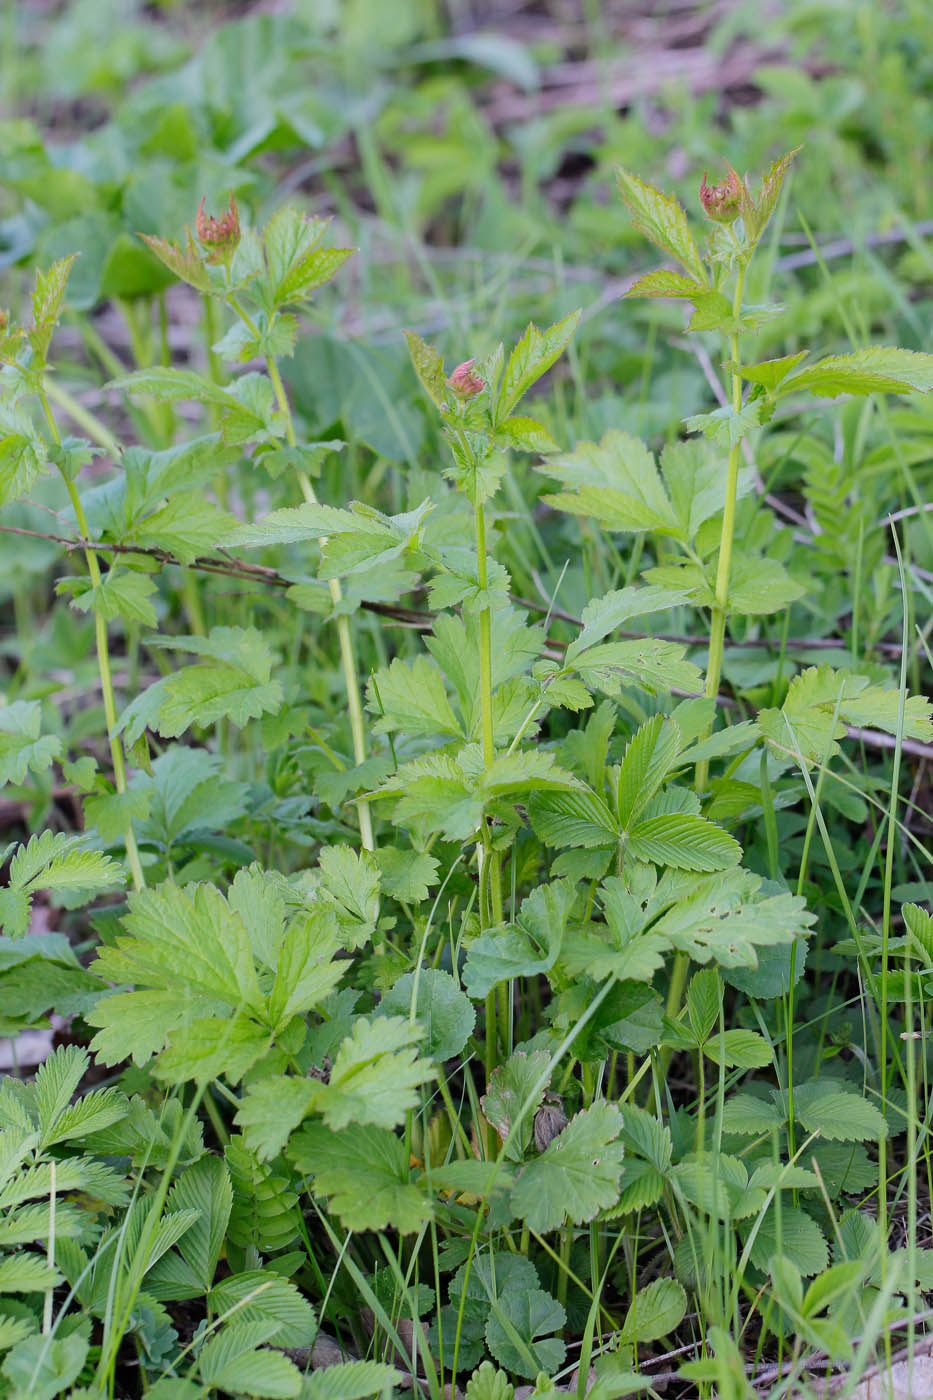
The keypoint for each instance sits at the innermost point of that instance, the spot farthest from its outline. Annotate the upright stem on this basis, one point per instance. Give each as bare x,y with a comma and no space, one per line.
720,609
491,908
347,653
103,659
485,691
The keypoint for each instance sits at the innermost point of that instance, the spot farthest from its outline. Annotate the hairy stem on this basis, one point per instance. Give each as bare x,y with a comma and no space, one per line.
103,659
720,609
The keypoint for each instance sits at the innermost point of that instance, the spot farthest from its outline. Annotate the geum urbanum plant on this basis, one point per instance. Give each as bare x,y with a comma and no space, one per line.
601,858
632,830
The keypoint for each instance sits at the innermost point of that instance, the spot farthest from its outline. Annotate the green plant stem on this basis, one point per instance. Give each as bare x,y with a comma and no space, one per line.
103,659
720,610
491,909
485,691
347,653
721,605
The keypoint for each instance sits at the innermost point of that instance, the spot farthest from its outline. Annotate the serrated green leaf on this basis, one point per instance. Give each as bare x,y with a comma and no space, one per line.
821,701
649,757
576,1176
22,746
375,1074
187,263
271,1110
363,1172
260,1295
653,665
878,369
234,684
603,615
616,482
525,948
516,1332
659,217
230,1361
532,357
796,1235
410,696
573,819
739,1048
353,1380
126,595
683,841
204,1187
213,1047
837,1114
440,1009
665,283
756,213
26,1273
725,917
188,525
654,1312
429,366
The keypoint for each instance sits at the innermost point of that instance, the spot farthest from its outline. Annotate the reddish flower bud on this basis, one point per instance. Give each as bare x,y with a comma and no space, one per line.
219,235
464,382
723,203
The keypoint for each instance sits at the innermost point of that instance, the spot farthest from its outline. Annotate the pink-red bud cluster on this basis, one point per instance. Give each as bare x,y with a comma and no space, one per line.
465,382
723,203
220,236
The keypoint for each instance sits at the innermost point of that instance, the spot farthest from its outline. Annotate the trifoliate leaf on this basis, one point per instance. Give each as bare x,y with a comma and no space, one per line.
725,916
821,701
233,683
375,1074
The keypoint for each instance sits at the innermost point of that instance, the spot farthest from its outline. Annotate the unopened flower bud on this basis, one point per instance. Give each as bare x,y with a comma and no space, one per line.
219,236
723,203
465,382
4,321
